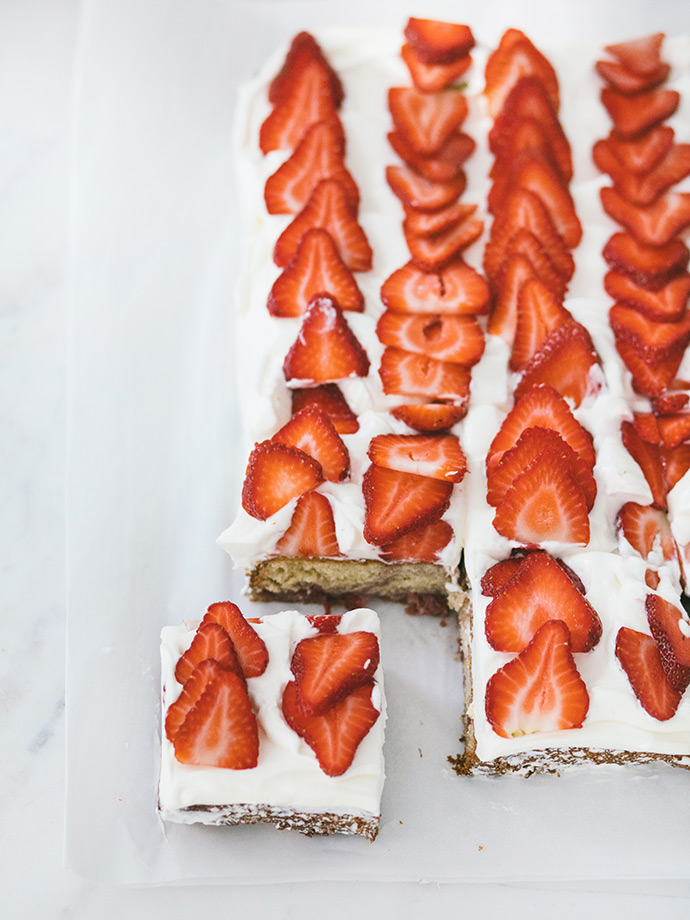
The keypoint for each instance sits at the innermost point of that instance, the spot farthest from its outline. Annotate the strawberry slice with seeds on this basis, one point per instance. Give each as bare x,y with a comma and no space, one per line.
525,136
651,338
311,430
445,165
424,223
670,403
531,443
309,101
326,349
331,401
422,545
670,629
544,503
210,641
667,304
674,429
316,268
436,42
250,648
319,155
654,224
414,191
327,623
639,657
650,267
436,456
523,242
458,339
434,253
397,503
335,735
495,579
433,78
675,464
275,475
540,591
539,313
406,374
458,289
633,115
426,121
503,319
303,50
541,407
646,529
639,55
514,59
329,666
311,532
646,426
212,723
651,376
564,361
641,154
328,208
648,458
430,417
628,83
539,691
644,189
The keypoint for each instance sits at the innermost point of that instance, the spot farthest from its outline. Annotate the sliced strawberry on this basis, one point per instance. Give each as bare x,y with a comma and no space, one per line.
672,639
397,503
433,78
675,464
430,417
416,192
640,659
651,338
674,429
530,99
434,253
538,314
319,155
514,59
525,136
326,349
445,165
541,407
458,339
435,456
644,189
193,688
564,361
438,42
646,426
629,83
249,647
667,304
422,545
334,736
311,532
325,624
426,121
646,529
275,475
331,401
220,729
303,50
643,153
406,374
327,208
670,403
316,268
531,443
654,224
309,101
648,458
458,288
639,55
425,223
650,267
544,503
210,641
633,115
539,691
651,579
311,430
503,319
523,209
495,579
329,666
651,375
538,592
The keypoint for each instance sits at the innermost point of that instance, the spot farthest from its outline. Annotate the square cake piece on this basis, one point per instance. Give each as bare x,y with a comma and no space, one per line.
277,720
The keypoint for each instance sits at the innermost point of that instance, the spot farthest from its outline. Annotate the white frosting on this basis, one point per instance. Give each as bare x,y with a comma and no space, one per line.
288,774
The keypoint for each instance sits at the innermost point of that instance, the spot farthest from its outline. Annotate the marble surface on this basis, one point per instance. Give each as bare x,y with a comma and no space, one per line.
38,39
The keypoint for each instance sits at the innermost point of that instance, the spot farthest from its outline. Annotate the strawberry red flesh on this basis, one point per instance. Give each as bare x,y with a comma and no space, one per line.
408,374
426,121
437,42
275,475
311,430
458,289
435,456
639,657
458,339
430,417
329,666
331,401
210,641
250,648
311,532
647,530
422,545
670,629
397,503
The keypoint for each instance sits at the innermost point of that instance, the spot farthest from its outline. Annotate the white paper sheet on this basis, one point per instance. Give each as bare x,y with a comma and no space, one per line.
154,477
